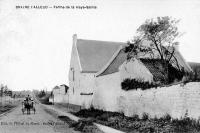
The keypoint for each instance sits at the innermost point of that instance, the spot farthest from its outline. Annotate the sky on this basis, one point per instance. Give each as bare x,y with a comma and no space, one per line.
35,44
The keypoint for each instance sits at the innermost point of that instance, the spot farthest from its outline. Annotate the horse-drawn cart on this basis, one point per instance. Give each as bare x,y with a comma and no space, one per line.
28,106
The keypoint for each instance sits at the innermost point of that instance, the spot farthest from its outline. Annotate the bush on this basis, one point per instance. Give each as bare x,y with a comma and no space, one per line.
145,116
133,84
41,94
134,118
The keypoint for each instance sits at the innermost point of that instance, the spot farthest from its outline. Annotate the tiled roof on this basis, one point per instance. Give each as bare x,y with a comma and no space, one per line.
56,87
122,56
102,58
155,67
64,85
94,55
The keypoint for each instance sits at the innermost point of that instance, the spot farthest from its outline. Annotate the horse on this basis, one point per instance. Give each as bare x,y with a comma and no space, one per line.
27,106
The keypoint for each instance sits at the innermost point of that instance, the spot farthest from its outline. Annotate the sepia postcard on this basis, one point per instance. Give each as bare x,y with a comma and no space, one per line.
99,66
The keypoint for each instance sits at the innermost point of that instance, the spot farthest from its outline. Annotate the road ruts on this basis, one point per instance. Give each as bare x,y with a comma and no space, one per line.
41,122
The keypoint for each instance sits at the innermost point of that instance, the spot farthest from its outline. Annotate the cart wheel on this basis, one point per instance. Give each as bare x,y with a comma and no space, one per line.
23,111
34,110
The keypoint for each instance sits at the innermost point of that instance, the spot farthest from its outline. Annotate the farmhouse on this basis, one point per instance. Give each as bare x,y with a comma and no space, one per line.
87,58
59,93
98,68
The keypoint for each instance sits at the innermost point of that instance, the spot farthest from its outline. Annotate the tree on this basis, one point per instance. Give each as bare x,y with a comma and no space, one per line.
5,90
1,92
41,94
157,37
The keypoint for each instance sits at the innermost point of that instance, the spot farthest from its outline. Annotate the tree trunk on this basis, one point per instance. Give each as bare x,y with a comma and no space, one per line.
166,71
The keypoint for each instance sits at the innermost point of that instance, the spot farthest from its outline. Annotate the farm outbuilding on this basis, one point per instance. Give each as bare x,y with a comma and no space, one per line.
59,93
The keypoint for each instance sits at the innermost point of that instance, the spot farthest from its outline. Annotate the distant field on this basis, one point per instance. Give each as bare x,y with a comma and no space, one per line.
7,103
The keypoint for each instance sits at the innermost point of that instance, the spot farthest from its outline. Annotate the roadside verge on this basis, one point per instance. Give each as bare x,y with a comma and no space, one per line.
103,128
3,114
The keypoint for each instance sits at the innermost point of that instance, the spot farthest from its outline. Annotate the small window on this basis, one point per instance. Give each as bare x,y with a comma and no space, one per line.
73,78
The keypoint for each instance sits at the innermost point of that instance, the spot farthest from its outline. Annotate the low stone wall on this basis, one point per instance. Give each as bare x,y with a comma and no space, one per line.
176,100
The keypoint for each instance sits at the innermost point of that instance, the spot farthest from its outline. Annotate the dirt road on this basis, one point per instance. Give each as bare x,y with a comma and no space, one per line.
41,122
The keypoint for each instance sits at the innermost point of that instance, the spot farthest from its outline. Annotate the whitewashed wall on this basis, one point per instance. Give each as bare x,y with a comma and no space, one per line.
174,100
59,98
59,94
107,90
59,91
84,83
85,86
81,83
73,82
135,69
108,94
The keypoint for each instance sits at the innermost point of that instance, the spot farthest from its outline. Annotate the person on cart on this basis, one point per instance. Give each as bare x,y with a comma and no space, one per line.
27,105
28,98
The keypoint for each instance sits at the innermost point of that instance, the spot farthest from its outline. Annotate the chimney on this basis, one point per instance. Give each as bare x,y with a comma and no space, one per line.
74,37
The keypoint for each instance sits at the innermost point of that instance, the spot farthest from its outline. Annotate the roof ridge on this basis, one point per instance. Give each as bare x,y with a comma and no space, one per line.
111,42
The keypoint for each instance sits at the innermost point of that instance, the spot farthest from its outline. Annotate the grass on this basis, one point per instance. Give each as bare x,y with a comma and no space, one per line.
6,107
83,125
165,124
